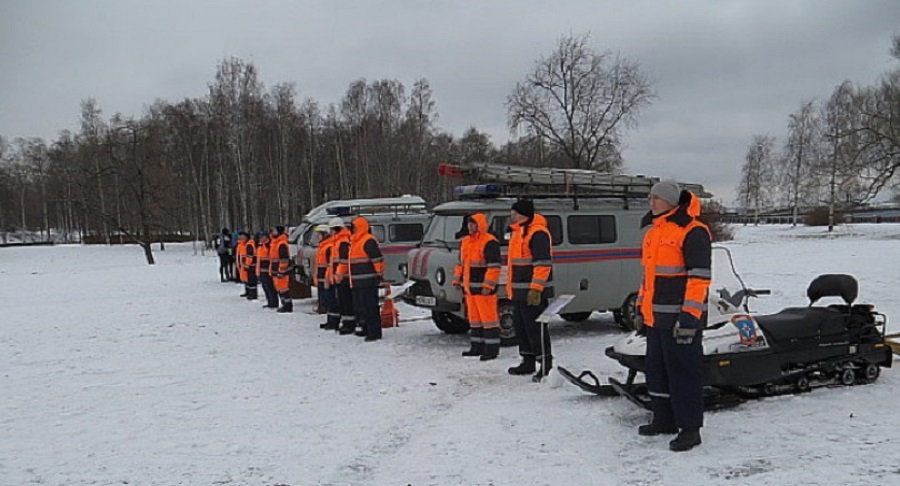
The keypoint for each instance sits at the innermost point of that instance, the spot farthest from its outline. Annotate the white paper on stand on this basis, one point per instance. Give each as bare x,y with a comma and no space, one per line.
555,306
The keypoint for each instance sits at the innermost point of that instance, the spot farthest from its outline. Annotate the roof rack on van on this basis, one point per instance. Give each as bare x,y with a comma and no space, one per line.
553,182
405,204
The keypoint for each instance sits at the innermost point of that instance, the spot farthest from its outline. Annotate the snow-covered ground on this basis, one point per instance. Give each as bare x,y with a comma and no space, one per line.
116,372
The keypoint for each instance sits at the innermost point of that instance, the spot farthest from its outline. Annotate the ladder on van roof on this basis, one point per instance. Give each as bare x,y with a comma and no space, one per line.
551,181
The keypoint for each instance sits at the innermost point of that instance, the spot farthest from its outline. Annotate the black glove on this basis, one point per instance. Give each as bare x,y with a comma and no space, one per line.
685,328
638,324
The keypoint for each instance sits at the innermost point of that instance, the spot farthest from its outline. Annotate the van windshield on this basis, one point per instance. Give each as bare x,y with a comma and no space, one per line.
442,230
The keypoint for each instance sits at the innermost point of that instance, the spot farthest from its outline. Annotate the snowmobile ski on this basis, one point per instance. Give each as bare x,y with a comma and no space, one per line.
587,381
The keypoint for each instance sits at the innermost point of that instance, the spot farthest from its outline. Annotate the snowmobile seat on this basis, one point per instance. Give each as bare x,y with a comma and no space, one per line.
797,323
833,285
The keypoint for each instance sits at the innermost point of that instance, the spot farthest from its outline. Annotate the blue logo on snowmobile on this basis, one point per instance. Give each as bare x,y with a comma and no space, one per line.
746,329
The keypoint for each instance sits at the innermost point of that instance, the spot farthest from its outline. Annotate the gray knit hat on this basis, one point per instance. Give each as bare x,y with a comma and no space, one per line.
667,191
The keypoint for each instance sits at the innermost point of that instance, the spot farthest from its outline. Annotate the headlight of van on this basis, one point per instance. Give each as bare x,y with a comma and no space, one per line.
404,270
439,276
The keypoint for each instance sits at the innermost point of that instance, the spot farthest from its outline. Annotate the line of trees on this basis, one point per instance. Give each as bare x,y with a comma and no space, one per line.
248,156
839,153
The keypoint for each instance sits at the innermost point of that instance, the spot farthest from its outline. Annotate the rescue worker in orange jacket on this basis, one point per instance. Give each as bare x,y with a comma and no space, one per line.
280,266
262,270
478,274
321,276
340,261
240,252
365,270
249,261
676,256
529,286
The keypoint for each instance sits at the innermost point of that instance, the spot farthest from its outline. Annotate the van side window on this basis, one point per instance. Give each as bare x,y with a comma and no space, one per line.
500,228
591,230
554,224
307,237
406,232
377,231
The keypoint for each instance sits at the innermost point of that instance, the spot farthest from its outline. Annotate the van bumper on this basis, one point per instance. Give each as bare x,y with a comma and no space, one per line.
421,295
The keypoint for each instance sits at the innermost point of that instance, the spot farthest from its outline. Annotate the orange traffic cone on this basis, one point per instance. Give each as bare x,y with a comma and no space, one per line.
389,315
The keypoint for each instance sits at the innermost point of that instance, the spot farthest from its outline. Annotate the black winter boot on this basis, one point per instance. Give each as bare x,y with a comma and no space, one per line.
657,429
525,367
475,349
491,344
687,439
286,308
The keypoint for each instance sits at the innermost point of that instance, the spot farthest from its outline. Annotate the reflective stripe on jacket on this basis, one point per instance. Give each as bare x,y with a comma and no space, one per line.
262,259
479,255
676,256
249,258
530,260
279,256
323,257
366,264
340,262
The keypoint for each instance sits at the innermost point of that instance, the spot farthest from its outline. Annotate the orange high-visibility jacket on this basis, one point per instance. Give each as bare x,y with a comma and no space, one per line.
340,257
323,257
279,256
479,260
676,256
262,259
530,260
365,262
239,252
250,256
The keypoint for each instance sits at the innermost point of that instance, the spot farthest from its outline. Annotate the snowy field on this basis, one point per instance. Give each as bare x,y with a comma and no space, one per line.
113,372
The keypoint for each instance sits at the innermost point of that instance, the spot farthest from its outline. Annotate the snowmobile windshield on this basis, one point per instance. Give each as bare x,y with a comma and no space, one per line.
727,294
443,230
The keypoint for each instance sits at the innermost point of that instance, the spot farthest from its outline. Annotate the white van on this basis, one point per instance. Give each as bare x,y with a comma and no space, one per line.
398,224
595,230
596,257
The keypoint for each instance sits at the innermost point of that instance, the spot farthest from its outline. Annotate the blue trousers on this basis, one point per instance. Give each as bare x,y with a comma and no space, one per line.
529,331
674,375
328,298
365,305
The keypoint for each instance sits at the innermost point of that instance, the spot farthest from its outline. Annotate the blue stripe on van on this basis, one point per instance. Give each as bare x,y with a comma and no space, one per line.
580,256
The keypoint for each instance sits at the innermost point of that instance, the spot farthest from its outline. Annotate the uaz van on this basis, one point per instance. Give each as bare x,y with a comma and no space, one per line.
398,224
596,257
594,223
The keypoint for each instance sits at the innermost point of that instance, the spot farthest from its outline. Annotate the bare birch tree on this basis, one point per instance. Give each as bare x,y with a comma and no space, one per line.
757,175
581,101
801,152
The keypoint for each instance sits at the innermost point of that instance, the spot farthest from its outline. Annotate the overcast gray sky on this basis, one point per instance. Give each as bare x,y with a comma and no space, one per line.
724,70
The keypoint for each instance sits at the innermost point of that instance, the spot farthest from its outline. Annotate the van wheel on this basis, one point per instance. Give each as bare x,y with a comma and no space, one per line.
625,315
575,316
450,323
507,330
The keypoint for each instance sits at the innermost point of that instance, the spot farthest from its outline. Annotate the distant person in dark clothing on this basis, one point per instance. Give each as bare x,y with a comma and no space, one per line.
226,259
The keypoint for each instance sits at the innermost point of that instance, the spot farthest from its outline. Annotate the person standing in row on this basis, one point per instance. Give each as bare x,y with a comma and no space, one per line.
280,264
677,259
366,272
478,274
340,265
223,249
529,285
249,261
240,252
321,277
264,272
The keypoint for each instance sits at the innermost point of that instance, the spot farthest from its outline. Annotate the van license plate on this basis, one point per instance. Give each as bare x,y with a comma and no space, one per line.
428,301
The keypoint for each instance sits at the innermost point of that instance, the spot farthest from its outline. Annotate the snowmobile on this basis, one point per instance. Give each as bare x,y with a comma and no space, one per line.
750,355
